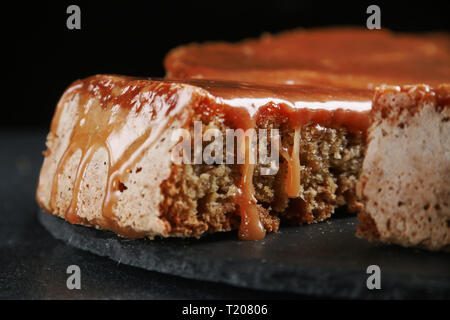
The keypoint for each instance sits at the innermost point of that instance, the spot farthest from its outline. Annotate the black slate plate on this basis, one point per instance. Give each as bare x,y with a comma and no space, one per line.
324,259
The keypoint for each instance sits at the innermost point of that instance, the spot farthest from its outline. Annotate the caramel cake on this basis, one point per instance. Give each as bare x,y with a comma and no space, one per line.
109,161
347,57
405,180
109,153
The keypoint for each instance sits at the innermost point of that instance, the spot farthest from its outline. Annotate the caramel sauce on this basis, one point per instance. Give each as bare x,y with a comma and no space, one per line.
293,177
251,227
117,115
346,57
126,117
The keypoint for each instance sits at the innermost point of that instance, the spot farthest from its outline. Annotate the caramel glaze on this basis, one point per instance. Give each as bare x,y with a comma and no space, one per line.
293,160
115,115
126,116
347,57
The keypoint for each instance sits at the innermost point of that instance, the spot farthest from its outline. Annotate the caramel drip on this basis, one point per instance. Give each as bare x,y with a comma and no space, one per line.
251,227
293,177
71,211
132,126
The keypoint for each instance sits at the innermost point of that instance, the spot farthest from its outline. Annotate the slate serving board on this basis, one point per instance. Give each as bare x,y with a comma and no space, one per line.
324,260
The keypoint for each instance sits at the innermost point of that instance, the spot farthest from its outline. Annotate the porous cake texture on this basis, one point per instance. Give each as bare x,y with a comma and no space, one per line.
405,179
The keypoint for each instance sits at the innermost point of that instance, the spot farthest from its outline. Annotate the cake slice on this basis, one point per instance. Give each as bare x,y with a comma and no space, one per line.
405,180
113,155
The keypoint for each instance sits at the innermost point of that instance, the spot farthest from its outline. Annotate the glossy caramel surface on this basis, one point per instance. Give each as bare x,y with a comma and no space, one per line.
346,57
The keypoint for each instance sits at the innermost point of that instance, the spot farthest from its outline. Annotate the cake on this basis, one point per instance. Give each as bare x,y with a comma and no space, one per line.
125,154
109,159
405,179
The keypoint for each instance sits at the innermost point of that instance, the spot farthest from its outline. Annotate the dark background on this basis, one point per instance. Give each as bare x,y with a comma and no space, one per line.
132,38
